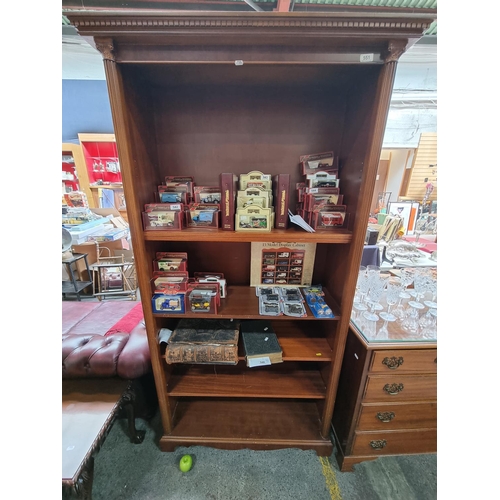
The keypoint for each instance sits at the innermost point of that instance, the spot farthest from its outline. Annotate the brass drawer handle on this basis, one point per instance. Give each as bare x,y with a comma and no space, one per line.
379,444
385,416
393,363
393,389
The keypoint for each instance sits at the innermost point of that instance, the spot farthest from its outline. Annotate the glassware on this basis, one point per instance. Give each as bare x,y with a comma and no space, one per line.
426,319
432,287
400,310
420,283
375,292
407,275
393,289
430,332
362,285
410,323
420,227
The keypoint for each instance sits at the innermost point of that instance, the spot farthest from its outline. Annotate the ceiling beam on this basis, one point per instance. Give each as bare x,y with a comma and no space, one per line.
283,6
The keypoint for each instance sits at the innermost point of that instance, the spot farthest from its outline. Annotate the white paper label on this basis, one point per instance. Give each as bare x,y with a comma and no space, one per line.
366,58
238,62
175,207
259,361
164,335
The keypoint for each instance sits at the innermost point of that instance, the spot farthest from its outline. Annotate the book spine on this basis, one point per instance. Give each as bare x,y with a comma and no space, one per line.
213,354
282,196
228,184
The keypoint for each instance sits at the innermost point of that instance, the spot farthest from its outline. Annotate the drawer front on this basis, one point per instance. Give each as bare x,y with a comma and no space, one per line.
399,387
397,416
423,361
395,442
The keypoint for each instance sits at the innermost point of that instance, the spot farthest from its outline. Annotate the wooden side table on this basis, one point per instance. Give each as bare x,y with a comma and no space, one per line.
89,408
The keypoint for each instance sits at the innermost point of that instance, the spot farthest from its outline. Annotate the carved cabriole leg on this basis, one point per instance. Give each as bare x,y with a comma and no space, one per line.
128,403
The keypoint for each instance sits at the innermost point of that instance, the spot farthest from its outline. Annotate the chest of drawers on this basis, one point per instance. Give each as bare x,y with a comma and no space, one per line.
386,401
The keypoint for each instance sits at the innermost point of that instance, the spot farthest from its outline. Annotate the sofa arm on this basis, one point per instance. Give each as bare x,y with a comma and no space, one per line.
91,355
135,358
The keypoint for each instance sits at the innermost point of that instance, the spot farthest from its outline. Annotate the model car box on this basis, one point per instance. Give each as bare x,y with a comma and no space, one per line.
169,282
256,178
203,298
168,303
254,219
176,180
254,196
173,194
318,162
328,217
170,261
201,215
207,194
163,216
212,278
322,179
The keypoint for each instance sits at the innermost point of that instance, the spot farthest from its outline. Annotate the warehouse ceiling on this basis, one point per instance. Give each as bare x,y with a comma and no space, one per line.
428,6
414,100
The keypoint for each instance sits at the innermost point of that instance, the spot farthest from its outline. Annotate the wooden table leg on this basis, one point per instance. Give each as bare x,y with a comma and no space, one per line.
82,488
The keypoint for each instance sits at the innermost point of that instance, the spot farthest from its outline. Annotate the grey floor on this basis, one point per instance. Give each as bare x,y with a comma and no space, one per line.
123,470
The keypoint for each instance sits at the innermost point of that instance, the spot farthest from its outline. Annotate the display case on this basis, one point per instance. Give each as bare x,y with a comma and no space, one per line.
387,395
100,154
200,93
74,172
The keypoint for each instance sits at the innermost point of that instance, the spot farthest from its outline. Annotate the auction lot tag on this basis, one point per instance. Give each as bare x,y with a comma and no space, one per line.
259,361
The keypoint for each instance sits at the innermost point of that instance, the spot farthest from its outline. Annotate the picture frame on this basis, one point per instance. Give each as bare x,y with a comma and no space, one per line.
408,211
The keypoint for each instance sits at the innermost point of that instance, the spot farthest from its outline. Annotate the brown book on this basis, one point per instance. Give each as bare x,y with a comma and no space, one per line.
205,341
281,185
229,187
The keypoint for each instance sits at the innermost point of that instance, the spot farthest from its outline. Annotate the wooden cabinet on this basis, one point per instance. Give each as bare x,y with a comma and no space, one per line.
386,401
200,93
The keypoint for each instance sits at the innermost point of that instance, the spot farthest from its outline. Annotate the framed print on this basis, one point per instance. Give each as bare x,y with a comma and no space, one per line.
408,210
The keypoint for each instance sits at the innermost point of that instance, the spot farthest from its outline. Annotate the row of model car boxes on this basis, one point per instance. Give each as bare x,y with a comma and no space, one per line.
174,291
244,203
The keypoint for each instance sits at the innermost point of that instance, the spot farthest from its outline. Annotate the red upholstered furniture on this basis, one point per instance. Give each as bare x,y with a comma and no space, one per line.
104,339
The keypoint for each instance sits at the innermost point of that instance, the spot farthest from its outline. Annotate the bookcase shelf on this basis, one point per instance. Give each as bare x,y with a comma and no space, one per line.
282,380
315,82
242,303
286,236
265,424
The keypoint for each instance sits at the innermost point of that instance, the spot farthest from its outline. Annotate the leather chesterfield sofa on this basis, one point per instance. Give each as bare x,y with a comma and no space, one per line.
104,339
107,340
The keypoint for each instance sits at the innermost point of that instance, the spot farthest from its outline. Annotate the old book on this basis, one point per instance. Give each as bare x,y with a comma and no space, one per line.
281,185
260,343
229,187
205,341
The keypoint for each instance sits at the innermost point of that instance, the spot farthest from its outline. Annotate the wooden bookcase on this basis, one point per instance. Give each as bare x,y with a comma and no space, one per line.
200,93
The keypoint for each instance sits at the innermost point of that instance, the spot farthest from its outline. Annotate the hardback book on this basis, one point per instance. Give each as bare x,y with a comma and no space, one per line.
229,187
260,343
281,185
204,341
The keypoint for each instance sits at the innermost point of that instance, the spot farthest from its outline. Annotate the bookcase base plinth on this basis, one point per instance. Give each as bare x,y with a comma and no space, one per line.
254,424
